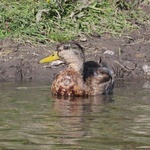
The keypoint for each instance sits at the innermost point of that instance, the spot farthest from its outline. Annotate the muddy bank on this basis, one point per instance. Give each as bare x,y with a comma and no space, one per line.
128,56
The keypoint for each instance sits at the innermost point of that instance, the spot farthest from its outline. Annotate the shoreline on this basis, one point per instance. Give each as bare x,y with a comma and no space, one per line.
128,56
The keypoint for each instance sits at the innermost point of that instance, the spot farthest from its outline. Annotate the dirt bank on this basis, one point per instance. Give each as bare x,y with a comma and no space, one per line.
128,56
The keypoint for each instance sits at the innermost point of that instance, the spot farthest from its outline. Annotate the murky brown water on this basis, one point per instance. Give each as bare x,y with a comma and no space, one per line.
30,119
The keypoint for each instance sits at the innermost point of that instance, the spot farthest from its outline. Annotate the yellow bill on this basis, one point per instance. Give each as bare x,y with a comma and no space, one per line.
50,58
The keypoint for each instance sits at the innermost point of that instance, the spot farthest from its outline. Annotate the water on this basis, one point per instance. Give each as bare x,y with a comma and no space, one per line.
30,119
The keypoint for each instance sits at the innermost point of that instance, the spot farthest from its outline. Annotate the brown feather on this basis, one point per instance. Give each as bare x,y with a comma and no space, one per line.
68,83
94,81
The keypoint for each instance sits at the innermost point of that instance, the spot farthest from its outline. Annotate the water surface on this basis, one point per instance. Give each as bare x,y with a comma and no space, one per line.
31,119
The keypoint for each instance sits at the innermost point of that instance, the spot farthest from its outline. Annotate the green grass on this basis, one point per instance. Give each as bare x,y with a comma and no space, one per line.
40,21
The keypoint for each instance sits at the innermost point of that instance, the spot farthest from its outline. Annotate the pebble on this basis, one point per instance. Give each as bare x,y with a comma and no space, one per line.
109,52
83,39
56,63
146,70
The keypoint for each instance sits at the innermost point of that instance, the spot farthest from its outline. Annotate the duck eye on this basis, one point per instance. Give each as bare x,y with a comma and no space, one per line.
66,47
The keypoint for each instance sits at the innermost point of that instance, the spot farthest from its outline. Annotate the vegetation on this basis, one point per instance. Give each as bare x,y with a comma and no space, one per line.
61,20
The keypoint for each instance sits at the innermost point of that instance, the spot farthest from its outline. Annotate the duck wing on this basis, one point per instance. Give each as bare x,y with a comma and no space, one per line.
89,68
98,78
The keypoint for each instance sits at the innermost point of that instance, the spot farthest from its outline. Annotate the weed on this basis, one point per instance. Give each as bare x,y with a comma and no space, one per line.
63,20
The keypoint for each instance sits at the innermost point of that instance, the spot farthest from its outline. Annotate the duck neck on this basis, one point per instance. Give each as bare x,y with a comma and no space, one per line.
78,67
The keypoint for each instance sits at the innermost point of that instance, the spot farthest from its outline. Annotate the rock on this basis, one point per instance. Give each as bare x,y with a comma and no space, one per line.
146,69
129,65
83,39
109,52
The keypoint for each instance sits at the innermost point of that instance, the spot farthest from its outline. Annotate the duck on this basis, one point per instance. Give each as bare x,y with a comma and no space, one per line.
80,78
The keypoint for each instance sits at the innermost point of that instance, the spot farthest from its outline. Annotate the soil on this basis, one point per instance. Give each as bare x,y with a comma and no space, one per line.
127,56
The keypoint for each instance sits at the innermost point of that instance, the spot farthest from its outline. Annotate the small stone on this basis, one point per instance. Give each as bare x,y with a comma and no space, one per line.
109,52
56,63
83,39
146,70
129,65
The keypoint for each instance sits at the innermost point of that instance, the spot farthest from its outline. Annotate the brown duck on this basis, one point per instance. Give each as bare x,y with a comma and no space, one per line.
80,78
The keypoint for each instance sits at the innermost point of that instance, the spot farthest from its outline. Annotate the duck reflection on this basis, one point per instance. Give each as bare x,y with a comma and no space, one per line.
76,115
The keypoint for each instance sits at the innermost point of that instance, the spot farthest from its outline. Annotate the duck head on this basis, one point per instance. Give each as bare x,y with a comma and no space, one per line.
70,53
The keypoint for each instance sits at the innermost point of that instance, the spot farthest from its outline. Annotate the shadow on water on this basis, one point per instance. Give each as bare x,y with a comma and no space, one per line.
31,118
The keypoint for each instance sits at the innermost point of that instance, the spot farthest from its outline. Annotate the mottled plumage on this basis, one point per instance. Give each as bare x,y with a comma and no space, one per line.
80,78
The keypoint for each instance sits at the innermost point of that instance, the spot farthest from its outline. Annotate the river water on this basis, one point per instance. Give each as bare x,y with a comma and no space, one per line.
31,119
